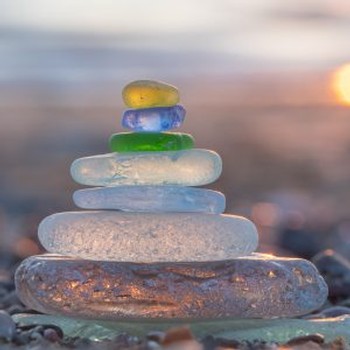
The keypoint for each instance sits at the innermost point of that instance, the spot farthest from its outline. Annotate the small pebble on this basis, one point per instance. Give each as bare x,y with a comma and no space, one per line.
125,340
152,345
150,93
156,336
185,345
209,342
336,271
3,292
316,338
36,336
154,119
336,311
10,299
177,334
22,338
180,338
52,335
345,302
15,309
150,141
7,326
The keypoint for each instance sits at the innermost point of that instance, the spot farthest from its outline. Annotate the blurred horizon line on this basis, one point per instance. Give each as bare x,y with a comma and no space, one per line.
293,88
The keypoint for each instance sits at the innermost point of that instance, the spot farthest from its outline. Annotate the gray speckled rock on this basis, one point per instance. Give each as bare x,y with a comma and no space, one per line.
148,237
250,287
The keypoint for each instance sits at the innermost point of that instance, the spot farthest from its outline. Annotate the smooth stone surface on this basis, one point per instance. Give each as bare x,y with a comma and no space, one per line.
335,268
150,141
333,311
193,167
147,237
154,119
150,93
151,199
7,326
275,330
249,287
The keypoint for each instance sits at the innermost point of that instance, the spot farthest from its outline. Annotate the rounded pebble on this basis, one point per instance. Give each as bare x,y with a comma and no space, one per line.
52,335
148,237
7,326
150,141
315,338
150,93
193,167
336,270
335,311
154,119
151,199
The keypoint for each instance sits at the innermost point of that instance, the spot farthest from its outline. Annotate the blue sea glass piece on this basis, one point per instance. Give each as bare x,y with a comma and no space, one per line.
151,199
153,119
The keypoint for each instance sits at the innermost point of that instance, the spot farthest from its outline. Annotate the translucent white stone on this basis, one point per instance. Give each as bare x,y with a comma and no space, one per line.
192,167
151,199
148,237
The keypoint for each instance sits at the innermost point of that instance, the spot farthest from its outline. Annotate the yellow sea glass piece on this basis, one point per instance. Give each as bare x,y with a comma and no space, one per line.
150,93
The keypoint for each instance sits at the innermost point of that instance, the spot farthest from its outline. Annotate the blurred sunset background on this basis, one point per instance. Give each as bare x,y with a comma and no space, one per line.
266,84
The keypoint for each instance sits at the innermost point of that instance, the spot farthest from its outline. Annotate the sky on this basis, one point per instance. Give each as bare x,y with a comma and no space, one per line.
40,39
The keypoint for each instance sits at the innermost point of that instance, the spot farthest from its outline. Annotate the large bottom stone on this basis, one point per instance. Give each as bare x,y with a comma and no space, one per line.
251,287
148,237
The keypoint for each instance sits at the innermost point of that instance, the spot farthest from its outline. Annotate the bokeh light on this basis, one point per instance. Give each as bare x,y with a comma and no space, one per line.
341,84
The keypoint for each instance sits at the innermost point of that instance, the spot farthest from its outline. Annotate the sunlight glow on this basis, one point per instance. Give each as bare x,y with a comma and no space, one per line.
341,84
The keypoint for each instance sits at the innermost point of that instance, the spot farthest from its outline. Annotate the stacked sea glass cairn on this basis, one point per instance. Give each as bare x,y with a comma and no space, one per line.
152,246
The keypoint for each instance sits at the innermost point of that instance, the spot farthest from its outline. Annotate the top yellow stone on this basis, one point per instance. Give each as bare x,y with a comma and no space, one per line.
150,93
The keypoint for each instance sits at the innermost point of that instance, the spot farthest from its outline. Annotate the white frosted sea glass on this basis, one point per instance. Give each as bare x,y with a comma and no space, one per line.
192,167
148,237
151,199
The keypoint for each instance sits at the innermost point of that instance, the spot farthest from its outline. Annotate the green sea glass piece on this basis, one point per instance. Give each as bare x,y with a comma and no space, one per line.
150,141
